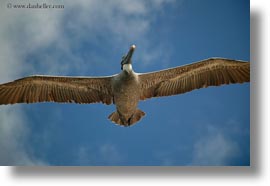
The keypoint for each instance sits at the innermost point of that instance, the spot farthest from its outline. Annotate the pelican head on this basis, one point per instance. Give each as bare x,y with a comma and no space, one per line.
126,60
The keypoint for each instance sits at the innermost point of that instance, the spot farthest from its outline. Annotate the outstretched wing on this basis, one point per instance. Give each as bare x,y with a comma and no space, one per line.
57,89
209,72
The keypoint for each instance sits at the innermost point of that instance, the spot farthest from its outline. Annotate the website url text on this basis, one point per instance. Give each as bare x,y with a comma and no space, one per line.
35,6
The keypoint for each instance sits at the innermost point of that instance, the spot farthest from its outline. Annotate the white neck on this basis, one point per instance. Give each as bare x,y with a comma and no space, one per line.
127,67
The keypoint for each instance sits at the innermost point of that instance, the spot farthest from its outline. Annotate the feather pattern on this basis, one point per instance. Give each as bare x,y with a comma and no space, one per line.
209,72
34,89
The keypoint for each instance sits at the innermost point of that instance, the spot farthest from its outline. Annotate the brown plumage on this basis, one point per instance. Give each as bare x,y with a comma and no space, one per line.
209,72
34,89
127,88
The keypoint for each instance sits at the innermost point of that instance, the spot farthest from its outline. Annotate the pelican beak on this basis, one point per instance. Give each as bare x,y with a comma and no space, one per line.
127,58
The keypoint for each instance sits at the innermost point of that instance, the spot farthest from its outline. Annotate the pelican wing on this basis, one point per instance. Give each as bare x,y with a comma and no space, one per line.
209,72
57,89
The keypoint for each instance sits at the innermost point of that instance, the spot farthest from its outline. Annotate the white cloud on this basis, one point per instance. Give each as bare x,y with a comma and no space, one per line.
125,19
104,23
110,153
214,149
105,154
13,132
83,157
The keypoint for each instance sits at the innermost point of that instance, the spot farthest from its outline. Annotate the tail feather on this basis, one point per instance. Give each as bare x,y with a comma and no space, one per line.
115,118
136,117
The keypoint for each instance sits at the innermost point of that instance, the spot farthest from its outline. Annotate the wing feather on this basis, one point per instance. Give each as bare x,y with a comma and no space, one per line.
34,89
209,72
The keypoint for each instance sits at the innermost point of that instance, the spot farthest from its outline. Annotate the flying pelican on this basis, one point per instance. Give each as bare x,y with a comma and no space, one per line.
127,88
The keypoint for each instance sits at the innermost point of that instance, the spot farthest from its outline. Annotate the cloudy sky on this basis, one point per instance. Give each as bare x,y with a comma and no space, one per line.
203,127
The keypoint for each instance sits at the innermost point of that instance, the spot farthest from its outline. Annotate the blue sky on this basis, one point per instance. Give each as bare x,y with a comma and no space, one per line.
88,38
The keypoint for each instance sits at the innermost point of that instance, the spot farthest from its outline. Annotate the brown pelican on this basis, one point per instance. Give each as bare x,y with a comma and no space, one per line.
127,88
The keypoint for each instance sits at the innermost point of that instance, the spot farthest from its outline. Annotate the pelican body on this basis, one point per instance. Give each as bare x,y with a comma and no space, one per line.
127,88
